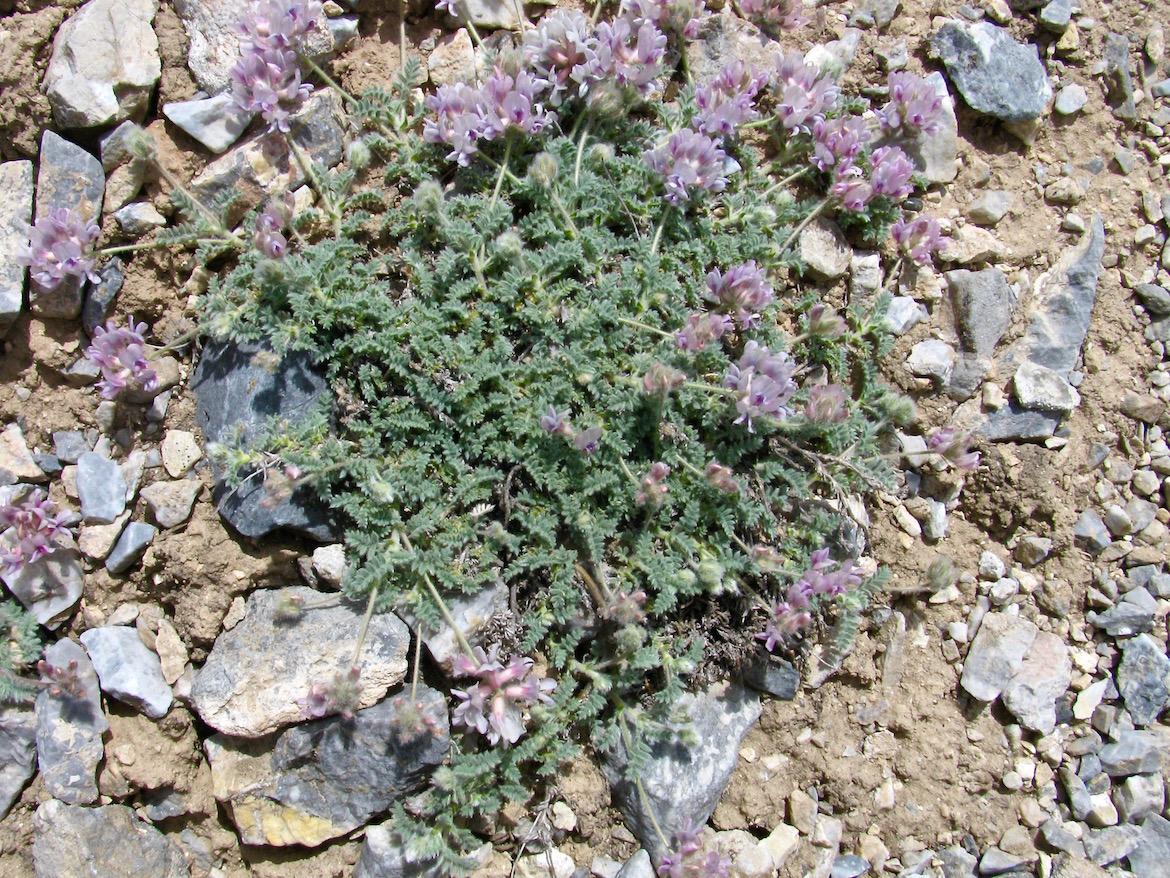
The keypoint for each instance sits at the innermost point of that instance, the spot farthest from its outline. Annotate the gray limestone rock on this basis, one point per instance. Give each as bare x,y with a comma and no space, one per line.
772,675
1090,532
933,359
984,304
1056,15
236,398
68,176
105,63
493,14
904,314
1076,866
100,297
16,203
1064,301
69,728
1042,677
1152,852
996,654
18,753
171,502
470,612
128,670
213,41
1155,299
139,218
255,673
101,488
1110,844
325,778
1078,795
48,587
1041,389
683,781
131,546
1139,796
990,208
995,75
254,172
109,841
637,866
1142,679
1118,82
1070,99
823,250
215,122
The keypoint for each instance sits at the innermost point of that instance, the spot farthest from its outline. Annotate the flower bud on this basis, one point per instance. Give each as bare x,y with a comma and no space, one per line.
941,573
711,573
510,246
543,170
902,410
358,155
429,197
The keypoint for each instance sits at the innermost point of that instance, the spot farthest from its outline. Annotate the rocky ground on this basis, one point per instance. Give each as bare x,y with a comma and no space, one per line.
1008,724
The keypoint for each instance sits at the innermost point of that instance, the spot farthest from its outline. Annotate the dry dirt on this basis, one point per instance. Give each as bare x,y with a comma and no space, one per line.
941,761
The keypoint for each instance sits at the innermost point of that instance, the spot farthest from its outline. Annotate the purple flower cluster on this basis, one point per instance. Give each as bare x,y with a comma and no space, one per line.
494,706
269,238
763,384
744,291
728,100
36,529
556,422
465,115
820,580
121,355
827,404
913,105
652,487
825,322
953,447
62,681
620,55
267,77
838,142
701,330
919,238
678,17
340,695
60,246
804,94
774,15
688,161
556,47
686,859
890,173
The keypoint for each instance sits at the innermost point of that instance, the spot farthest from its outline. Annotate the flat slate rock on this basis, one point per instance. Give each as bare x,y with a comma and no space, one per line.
683,781
995,75
110,841
996,654
255,673
325,778
128,671
1143,679
1152,852
237,395
1042,677
984,304
16,204
69,731
49,587
215,122
68,176
18,754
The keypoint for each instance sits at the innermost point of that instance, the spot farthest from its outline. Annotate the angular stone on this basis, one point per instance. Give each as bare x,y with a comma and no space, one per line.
1070,99
1064,301
96,541
990,208
1075,866
724,38
101,488
238,394
683,781
1134,752
984,304
16,204
105,63
139,219
254,173
823,250
99,297
995,75
932,359
1091,533
935,156
171,502
69,730
109,841
1152,852
1142,679
1117,79
492,14
772,675
329,564
68,176
471,613
904,314
1040,388
1043,676
49,587
1143,407
383,855
127,669
971,245
131,546
325,778
1079,800
18,753
1110,844
1139,796
215,122
1155,299
255,673
996,654
16,462
637,866
213,39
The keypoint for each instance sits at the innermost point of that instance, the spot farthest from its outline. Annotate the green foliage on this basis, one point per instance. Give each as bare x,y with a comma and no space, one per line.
20,647
551,272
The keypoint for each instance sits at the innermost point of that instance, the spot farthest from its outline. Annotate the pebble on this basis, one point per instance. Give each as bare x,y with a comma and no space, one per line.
329,564
848,866
131,546
216,122
180,452
1139,796
1043,389
1091,533
991,567
1070,99
990,208
101,488
16,208
16,462
932,359
1135,752
998,648
171,502
1142,678
96,541
824,250
128,670
139,218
